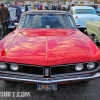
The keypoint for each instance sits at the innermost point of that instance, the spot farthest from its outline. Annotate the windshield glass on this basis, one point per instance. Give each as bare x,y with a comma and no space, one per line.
12,12
85,11
47,21
98,8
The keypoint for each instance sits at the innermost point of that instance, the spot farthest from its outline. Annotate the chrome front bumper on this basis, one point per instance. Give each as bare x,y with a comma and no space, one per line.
50,80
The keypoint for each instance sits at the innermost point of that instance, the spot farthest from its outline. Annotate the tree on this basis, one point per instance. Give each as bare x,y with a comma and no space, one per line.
95,1
12,0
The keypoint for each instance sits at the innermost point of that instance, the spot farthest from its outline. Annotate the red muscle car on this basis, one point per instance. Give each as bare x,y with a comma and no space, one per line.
47,49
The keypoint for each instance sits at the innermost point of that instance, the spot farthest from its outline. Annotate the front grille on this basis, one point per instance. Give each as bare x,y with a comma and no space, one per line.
29,69
32,70
62,69
52,70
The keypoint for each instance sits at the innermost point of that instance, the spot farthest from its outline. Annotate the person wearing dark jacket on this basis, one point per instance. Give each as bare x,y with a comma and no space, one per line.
26,8
4,15
18,11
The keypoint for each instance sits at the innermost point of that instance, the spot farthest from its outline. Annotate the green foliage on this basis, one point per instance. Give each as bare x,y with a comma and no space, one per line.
95,1
11,0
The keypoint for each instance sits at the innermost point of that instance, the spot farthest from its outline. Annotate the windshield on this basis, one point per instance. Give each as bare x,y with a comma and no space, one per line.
30,8
98,8
47,21
85,11
12,12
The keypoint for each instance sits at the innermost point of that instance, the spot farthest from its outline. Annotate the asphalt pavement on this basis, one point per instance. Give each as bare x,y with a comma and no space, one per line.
72,91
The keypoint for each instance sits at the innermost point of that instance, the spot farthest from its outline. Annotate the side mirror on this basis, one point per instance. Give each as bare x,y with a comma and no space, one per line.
77,25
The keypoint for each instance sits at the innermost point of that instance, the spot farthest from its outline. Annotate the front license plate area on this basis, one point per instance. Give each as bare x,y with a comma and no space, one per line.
46,86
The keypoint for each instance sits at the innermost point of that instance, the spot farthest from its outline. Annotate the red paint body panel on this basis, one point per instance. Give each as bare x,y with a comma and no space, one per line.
5,44
49,47
92,50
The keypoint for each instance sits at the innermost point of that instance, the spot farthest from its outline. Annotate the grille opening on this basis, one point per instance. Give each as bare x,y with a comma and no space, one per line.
28,69
62,69
32,70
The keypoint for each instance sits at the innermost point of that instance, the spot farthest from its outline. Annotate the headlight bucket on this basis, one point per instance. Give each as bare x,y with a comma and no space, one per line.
3,66
91,65
79,67
14,67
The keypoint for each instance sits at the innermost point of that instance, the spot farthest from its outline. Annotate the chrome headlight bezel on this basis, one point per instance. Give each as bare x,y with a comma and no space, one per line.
91,65
3,66
79,67
14,67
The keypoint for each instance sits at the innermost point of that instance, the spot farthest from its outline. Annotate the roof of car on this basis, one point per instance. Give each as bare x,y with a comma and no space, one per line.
46,11
82,7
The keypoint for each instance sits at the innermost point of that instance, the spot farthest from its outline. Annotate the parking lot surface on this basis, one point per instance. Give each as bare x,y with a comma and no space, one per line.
72,91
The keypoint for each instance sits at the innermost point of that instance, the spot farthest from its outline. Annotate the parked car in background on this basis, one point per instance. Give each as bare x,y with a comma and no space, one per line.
83,13
29,8
98,11
12,18
48,49
93,30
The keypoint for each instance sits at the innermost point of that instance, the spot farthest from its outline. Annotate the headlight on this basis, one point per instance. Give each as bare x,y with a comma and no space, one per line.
91,65
79,67
3,66
14,67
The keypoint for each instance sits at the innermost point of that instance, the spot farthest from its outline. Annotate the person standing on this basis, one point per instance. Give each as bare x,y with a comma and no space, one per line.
38,7
41,7
18,11
26,8
4,15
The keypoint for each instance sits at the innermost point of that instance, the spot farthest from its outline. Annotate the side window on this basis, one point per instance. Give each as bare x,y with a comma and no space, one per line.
22,22
71,22
71,11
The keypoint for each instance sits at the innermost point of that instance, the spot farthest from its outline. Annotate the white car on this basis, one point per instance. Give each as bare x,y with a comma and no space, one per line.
83,13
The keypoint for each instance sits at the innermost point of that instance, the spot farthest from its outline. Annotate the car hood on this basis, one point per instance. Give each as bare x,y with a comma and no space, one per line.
82,18
47,47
